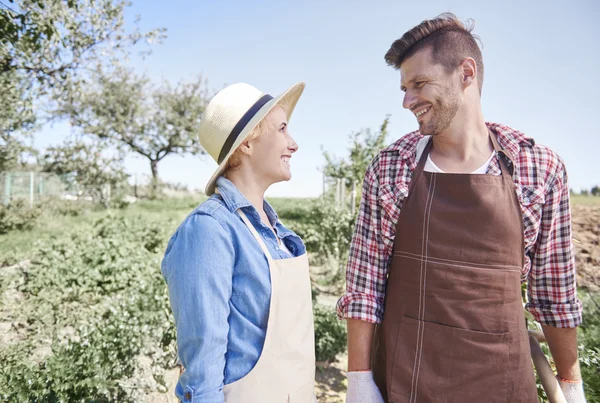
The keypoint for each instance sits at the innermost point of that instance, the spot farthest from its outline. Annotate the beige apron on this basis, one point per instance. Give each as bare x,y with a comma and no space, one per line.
285,371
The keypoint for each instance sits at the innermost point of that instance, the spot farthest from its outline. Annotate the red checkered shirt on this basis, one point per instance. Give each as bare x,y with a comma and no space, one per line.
541,185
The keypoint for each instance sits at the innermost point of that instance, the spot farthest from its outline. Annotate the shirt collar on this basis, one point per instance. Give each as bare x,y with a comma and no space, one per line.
510,139
234,199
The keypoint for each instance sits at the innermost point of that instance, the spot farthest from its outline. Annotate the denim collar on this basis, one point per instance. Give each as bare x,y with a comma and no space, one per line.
234,200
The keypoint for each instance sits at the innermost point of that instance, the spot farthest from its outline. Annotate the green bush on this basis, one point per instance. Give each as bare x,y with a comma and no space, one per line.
327,232
330,334
104,283
589,347
291,209
18,216
70,208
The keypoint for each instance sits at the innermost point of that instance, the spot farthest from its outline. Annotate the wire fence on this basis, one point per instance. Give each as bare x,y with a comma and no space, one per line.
31,186
35,187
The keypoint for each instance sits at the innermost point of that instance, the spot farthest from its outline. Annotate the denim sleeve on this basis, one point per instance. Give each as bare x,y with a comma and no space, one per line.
198,267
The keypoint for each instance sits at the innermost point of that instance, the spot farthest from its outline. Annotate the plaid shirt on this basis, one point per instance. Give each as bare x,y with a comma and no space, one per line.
541,185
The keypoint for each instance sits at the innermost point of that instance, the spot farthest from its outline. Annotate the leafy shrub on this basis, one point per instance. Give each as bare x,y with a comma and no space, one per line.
105,284
589,347
18,216
330,334
291,209
327,232
71,208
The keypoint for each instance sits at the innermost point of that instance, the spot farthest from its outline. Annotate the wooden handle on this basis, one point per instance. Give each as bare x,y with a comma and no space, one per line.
544,371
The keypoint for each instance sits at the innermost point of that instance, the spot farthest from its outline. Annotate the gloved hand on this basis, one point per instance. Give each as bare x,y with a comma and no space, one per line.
573,391
362,388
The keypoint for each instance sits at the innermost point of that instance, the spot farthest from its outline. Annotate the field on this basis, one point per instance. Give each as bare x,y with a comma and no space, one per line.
84,311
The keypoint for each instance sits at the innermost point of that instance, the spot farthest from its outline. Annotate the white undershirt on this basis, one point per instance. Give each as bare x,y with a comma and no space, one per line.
431,167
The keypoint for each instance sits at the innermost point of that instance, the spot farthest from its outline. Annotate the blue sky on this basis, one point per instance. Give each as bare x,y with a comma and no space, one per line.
541,72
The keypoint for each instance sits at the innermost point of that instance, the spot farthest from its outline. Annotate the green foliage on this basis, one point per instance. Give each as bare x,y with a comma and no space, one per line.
105,285
327,232
89,368
330,334
47,46
18,216
589,347
86,168
291,209
124,109
365,146
72,208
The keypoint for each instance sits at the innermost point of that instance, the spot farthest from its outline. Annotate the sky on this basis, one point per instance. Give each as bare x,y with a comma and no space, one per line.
541,63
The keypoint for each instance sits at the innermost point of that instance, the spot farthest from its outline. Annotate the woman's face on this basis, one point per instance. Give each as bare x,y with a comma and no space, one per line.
272,151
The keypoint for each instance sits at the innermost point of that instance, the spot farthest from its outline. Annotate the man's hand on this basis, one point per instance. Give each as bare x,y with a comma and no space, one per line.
362,388
573,391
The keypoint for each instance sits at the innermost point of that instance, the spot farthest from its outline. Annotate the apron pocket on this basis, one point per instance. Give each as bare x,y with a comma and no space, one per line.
434,363
304,394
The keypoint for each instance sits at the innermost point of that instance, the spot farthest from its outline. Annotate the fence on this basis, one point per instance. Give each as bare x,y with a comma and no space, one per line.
337,186
32,186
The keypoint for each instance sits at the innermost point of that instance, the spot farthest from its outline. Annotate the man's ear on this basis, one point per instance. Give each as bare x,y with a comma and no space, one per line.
468,70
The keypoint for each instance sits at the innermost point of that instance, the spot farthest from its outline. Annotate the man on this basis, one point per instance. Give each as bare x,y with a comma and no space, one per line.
453,217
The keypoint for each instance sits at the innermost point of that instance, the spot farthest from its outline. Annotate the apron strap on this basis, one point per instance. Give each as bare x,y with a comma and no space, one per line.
256,235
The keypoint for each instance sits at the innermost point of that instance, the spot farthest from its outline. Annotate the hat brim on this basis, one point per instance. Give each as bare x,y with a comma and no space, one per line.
287,101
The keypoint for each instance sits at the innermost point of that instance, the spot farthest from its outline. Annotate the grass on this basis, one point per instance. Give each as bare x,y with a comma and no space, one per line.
585,200
16,245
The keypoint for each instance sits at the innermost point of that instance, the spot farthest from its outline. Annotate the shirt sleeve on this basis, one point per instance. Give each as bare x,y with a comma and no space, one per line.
198,267
551,286
368,262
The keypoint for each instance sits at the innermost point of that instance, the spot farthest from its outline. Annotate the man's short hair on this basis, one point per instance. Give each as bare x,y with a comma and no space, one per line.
450,40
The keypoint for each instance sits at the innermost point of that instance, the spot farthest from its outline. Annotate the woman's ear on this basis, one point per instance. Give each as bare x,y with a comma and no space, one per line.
246,147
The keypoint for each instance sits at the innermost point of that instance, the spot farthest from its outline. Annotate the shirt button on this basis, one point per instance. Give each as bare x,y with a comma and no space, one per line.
188,396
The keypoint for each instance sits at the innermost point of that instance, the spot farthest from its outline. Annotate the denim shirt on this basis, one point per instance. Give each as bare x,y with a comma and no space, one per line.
219,289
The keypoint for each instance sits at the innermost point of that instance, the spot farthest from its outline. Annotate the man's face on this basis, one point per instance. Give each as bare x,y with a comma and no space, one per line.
431,94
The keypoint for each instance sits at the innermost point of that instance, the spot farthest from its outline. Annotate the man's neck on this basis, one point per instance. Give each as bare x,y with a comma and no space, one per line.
464,146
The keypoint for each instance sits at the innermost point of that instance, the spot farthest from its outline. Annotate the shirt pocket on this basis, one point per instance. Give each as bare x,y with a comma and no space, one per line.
391,199
532,199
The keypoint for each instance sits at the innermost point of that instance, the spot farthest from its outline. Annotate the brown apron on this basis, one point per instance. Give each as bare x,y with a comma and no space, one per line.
453,328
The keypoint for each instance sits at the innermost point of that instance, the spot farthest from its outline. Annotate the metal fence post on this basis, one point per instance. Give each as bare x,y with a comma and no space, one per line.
7,188
31,187
353,198
343,193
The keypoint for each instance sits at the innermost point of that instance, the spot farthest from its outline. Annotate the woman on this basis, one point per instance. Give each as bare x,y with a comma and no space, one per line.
238,279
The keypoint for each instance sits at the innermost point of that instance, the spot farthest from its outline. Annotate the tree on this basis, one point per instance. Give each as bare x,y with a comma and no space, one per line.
126,110
46,49
595,191
365,146
85,167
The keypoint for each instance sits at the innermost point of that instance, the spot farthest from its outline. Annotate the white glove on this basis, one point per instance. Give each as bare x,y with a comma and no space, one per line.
573,391
362,388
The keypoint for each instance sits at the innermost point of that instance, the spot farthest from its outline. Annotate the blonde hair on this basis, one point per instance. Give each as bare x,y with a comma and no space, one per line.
235,160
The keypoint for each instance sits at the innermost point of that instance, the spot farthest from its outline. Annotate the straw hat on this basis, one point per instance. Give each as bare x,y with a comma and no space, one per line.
232,114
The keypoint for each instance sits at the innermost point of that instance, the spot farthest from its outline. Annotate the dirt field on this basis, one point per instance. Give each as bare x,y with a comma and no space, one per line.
586,235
